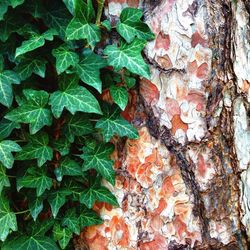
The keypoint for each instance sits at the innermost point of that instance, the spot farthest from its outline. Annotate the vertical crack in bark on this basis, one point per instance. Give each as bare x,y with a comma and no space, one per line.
164,135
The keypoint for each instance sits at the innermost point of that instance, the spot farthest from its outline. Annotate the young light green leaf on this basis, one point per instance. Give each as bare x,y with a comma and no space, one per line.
57,199
71,221
92,194
7,219
62,235
88,218
32,111
119,95
7,78
35,178
64,58
99,159
37,148
88,70
29,65
6,127
4,180
128,56
73,97
131,26
113,124
31,243
76,125
36,41
6,149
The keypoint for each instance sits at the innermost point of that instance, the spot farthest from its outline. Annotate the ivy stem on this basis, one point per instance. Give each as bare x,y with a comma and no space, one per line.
23,212
11,176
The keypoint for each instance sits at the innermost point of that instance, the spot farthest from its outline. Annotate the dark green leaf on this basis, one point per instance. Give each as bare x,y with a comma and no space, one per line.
36,206
4,180
89,218
71,221
7,219
6,149
62,145
130,25
90,195
38,149
35,42
88,70
119,96
73,97
31,243
57,200
64,58
33,110
70,167
99,159
77,125
62,235
35,178
7,78
113,124
128,56
29,65
6,127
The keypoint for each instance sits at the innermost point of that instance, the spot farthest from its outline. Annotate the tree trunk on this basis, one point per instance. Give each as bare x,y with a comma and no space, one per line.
185,184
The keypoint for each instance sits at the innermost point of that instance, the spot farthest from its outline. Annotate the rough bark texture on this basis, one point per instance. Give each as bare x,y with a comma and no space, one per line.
185,184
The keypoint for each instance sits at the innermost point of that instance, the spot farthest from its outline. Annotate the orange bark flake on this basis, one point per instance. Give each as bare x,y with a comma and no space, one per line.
149,91
197,39
177,123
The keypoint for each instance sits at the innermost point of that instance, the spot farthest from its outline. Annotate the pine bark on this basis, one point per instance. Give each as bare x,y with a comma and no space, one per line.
185,183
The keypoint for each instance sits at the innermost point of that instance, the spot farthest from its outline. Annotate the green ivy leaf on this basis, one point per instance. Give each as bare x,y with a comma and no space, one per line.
113,124
73,97
71,221
35,8
57,199
7,78
31,243
9,25
37,148
92,194
57,17
128,56
130,25
36,41
62,235
69,167
7,219
40,228
15,3
89,218
36,206
119,96
4,180
99,159
88,70
29,65
62,145
6,127
4,4
64,58
6,149
35,178
33,110
76,125
81,26
130,81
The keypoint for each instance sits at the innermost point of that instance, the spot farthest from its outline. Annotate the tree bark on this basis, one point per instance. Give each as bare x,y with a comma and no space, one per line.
185,183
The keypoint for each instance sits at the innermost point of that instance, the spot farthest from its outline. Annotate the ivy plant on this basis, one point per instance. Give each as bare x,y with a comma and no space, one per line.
56,59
